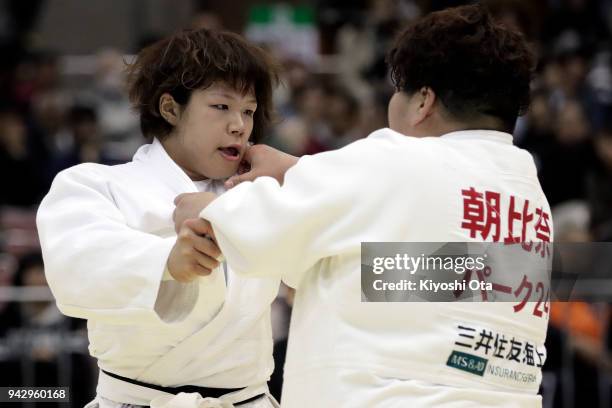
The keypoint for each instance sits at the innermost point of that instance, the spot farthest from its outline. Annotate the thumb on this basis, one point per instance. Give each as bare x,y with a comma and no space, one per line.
200,226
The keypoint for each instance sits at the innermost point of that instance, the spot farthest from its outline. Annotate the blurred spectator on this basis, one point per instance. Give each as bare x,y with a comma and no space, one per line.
539,131
576,339
50,103
119,129
302,115
571,220
85,144
206,19
573,68
599,185
520,15
581,328
341,124
567,157
23,83
45,348
374,33
600,80
295,78
42,313
21,165
9,311
19,18
576,21
333,14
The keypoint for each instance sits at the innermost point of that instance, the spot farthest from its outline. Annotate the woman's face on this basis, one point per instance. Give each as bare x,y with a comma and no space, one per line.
212,132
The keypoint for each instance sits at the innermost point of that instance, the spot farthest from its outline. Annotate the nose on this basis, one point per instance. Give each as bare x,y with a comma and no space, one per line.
236,125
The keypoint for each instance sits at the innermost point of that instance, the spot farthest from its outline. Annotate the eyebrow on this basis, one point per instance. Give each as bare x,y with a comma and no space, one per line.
229,96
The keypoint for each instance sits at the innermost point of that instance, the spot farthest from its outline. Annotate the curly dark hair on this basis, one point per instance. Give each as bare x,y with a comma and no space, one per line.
195,59
474,65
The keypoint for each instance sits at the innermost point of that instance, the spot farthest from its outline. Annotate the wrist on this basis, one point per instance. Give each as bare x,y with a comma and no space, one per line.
288,162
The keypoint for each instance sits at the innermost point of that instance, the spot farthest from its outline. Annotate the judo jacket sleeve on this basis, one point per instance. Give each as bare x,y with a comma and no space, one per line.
265,229
96,265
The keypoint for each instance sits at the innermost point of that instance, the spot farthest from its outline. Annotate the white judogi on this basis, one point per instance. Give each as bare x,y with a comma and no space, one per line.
106,233
386,188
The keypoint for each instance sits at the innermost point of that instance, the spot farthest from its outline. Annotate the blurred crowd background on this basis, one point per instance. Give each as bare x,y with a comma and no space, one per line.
62,102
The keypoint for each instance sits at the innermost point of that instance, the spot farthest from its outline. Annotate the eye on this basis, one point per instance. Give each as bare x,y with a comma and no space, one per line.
220,106
249,112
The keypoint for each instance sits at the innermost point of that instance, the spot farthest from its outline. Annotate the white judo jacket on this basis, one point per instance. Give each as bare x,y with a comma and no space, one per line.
388,187
106,233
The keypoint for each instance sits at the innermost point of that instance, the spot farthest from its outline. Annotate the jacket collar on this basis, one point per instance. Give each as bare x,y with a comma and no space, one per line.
166,170
480,134
487,135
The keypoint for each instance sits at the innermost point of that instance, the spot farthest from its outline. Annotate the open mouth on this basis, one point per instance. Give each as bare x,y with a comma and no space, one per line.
230,152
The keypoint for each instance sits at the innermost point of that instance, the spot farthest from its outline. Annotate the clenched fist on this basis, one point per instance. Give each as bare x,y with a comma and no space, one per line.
195,252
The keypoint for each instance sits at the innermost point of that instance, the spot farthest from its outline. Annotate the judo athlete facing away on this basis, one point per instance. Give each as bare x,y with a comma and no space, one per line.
163,317
461,82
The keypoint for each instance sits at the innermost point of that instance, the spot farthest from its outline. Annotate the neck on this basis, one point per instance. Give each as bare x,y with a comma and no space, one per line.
174,148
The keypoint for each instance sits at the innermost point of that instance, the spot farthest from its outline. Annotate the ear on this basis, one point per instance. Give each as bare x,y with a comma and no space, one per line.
425,99
169,109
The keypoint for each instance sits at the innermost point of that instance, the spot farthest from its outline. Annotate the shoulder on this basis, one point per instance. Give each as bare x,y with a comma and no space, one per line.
388,148
89,182
93,173
389,140
382,154
87,187
381,140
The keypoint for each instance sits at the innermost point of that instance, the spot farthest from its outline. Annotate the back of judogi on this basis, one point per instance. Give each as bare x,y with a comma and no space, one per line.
461,187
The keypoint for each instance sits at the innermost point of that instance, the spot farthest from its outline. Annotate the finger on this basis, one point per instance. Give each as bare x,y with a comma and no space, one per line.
199,225
205,261
183,277
232,181
180,197
185,231
239,178
207,246
201,271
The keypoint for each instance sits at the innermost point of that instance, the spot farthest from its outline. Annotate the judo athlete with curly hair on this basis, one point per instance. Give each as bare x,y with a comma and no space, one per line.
164,318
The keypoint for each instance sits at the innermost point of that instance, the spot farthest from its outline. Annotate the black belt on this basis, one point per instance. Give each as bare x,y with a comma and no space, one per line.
203,391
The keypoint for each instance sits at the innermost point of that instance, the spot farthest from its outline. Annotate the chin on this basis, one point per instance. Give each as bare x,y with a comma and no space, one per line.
220,174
